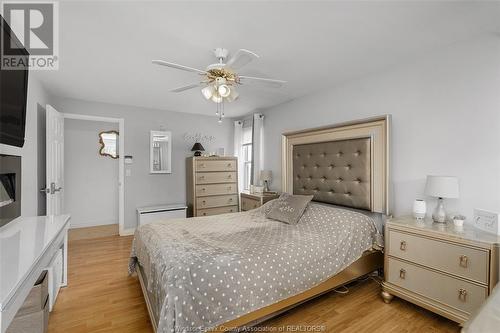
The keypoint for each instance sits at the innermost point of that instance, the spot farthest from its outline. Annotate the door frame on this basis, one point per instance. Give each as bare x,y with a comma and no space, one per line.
121,163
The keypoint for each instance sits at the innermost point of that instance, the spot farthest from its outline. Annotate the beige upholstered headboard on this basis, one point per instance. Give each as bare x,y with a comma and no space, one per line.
336,172
345,164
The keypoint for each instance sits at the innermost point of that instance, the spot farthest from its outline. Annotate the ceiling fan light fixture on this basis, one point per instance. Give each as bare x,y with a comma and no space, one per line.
208,91
224,90
232,96
216,98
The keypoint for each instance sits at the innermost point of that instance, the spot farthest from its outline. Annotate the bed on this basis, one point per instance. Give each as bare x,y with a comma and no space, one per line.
227,271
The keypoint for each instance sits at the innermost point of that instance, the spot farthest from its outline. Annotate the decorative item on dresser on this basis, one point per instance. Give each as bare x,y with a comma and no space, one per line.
212,185
266,176
254,200
445,269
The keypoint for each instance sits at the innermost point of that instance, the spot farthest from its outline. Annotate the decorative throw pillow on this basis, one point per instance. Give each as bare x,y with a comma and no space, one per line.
289,208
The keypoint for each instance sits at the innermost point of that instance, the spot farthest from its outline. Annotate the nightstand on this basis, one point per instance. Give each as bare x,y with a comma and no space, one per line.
439,267
254,200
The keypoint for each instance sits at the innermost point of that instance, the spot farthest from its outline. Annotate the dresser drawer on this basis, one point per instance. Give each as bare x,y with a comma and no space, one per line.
456,259
216,189
219,165
215,177
249,203
217,211
216,201
456,293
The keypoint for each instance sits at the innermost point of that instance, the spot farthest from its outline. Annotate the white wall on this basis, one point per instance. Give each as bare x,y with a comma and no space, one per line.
446,120
90,180
32,163
143,188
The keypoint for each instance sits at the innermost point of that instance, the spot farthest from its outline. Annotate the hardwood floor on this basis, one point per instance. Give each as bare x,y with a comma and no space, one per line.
101,297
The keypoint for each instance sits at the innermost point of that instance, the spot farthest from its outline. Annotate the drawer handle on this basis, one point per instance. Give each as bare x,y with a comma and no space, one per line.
402,246
462,295
229,176
203,202
229,188
203,189
202,165
204,214
202,177
402,273
464,261
230,199
229,165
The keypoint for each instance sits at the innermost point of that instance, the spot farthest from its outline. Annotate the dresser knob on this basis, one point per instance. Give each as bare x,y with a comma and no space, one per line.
203,189
230,199
402,273
202,177
204,214
402,246
204,202
464,261
229,176
229,165
462,295
202,165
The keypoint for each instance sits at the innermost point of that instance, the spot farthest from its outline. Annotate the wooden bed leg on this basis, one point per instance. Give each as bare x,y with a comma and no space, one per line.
386,297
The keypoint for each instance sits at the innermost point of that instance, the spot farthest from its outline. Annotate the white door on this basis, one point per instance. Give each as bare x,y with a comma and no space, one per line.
55,161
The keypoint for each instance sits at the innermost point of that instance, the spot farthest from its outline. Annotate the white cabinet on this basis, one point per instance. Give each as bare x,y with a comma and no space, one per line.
147,215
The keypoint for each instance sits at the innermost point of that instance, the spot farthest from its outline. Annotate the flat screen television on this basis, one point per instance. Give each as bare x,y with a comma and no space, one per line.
13,91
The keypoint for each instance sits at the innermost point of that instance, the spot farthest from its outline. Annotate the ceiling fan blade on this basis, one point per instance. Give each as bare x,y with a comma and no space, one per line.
261,80
177,66
241,58
191,86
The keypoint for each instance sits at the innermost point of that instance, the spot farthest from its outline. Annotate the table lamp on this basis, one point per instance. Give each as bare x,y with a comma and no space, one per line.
197,148
441,187
266,176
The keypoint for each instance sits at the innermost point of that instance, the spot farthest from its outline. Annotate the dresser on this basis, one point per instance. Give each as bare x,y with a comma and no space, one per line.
254,200
445,269
212,185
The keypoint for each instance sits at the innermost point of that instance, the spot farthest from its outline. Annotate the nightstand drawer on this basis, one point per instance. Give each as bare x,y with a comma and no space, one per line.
215,177
217,211
216,201
218,165
451,258
249,203
216,189
456,293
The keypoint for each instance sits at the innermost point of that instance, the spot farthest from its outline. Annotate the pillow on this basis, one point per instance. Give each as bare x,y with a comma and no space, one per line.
289,208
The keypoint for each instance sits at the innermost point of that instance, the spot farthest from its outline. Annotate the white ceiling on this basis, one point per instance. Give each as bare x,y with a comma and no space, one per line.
106,48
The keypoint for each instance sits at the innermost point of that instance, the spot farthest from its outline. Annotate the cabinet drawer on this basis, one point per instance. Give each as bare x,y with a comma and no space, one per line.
217,211
216,189
215,177
216,201
249,203
460,260
219,165
456,293
35,300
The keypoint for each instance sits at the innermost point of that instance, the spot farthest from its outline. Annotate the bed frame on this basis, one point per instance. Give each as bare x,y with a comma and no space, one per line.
361,182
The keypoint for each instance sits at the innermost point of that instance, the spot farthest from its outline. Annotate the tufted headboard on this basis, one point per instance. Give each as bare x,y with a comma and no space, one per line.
336,172
345,164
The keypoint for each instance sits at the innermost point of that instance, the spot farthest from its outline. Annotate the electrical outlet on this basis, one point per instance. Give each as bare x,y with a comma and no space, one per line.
486,220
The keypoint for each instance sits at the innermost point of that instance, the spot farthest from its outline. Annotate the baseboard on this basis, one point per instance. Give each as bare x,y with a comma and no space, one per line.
93,232
89,224
127,232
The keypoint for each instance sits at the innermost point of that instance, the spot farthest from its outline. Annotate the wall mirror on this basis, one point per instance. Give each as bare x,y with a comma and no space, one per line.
109,144
160,152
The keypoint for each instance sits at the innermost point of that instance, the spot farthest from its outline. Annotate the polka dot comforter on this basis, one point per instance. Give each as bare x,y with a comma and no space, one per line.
206,271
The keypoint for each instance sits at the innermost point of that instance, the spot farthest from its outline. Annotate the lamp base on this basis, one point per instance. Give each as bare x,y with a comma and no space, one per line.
197,153
266,186
439,214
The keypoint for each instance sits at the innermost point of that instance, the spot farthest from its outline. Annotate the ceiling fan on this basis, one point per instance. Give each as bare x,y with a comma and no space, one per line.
219,80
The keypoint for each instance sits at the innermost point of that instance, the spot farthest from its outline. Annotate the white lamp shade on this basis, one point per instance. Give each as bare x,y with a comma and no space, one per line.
208,91
266,175
442,186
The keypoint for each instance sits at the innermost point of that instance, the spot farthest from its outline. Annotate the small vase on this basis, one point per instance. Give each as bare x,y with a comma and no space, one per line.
419,209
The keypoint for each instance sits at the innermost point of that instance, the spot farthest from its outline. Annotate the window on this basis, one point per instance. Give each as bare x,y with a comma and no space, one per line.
247,165
247,156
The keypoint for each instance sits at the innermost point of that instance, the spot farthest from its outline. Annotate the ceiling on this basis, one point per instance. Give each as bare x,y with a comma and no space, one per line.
106,48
